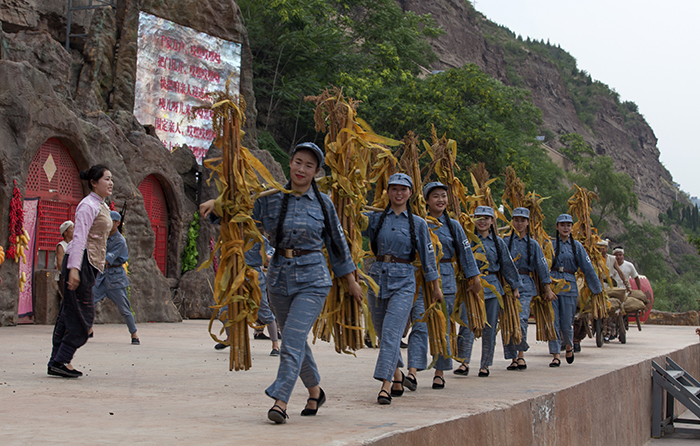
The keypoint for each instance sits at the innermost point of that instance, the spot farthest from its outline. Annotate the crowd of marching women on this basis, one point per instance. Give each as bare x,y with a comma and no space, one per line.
485,275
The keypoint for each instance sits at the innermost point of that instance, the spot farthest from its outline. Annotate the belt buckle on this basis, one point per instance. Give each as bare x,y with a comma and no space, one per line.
561,269
387,258
289,253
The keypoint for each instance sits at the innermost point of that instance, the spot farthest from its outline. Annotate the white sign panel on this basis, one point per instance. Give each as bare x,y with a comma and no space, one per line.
177,66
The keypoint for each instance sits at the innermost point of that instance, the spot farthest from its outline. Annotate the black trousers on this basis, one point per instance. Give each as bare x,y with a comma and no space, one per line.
76,314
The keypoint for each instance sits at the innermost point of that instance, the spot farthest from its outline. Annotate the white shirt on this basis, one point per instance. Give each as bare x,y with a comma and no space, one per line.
627,269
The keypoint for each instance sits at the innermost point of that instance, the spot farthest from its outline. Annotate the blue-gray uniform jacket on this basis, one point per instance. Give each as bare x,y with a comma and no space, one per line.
303,229
113,277
254,259
568,260
504,264
394,238
466,257
536,262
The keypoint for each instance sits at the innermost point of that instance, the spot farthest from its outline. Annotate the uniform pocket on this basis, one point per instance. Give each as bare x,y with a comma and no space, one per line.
312,268
399,276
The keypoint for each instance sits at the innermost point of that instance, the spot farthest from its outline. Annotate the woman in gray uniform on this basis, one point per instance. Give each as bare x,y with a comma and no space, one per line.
528,258
300,224
454,244
499,260
396,235
569,256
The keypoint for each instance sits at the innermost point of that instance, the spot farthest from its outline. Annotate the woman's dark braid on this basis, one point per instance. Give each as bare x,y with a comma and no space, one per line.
412,231
495,241
326,220
373,241
455,246
280,221
527,239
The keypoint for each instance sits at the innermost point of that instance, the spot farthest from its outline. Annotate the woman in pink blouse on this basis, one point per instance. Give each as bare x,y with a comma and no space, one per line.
84,258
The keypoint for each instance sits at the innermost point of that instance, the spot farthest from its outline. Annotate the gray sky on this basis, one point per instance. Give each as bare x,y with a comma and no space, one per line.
648,51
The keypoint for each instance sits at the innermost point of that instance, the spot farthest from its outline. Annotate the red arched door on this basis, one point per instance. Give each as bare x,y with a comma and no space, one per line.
154,200
54,179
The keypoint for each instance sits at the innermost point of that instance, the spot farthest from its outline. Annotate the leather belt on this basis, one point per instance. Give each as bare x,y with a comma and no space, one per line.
290,253
446,260
524,272
388,258
114,266
561,269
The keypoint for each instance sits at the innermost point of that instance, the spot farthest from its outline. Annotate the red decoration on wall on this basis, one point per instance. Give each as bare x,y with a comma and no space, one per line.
16,221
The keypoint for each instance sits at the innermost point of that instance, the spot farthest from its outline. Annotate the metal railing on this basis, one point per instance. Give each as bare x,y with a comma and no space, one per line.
92,4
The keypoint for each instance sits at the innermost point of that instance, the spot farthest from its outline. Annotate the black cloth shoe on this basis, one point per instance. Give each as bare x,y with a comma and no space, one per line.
274,352
462,370
440,384
403,345
135,341
319,402
484,374
410,382
220,346
279,415
261,335
384,398
61,370
400,391
570,359
577,347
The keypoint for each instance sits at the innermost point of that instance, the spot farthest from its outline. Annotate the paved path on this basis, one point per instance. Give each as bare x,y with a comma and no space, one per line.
175,388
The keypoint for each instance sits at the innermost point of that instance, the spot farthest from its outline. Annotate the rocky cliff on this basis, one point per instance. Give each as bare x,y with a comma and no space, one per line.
470,38
84,97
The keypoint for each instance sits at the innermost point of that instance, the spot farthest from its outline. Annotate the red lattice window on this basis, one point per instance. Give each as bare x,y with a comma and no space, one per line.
154,200
53,178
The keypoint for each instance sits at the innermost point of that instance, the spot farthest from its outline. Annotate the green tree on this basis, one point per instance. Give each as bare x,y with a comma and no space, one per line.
575,147
615,189
301,47
643,245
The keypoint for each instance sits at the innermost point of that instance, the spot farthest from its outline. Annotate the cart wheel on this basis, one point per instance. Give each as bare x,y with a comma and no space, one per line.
598,324
622,333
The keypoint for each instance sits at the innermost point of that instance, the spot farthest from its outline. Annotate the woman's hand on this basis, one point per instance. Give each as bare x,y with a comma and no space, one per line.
437,292
354,288
474,285
548,294
73,279
206,208
516,294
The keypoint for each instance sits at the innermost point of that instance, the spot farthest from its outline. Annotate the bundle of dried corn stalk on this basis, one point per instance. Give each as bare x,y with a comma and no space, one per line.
583,231
435,315
236,289
443,153
349,145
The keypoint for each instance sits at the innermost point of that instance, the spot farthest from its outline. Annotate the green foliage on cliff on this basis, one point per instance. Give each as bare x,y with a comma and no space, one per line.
615,189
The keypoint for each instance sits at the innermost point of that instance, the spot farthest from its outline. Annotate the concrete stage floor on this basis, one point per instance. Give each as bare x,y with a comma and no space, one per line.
175,388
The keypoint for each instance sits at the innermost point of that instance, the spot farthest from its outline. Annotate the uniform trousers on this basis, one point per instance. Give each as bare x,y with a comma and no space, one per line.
511,350
121,299
418,339
265,314
465,339
296,313
76,314
389,316
564,311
